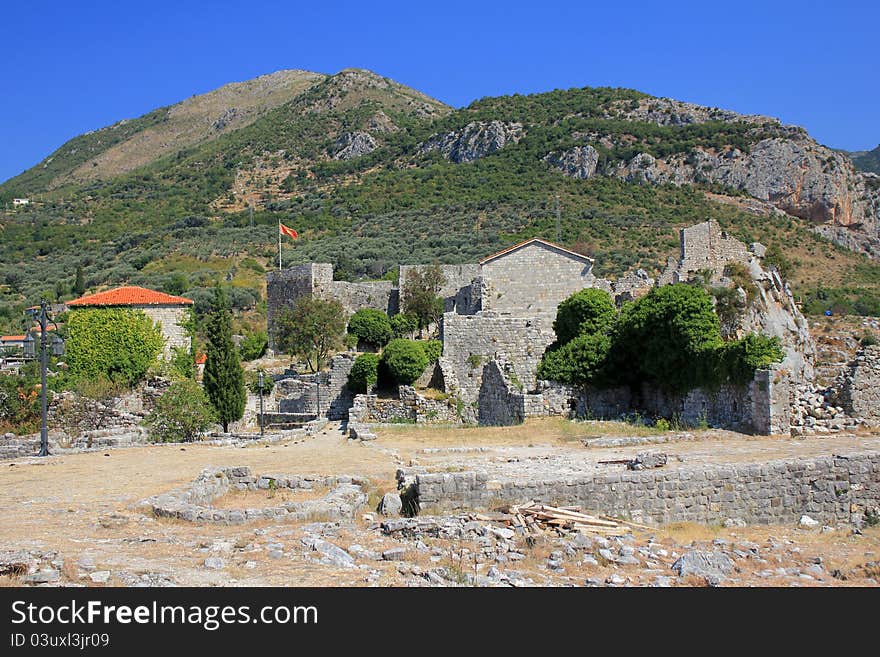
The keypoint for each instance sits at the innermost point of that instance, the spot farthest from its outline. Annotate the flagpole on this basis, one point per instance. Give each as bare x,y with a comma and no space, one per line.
279,243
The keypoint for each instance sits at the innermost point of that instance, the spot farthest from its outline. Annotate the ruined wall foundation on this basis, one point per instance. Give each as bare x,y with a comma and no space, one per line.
830,489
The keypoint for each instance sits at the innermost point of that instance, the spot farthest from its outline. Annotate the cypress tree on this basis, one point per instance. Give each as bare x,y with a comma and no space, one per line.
224,378
79,285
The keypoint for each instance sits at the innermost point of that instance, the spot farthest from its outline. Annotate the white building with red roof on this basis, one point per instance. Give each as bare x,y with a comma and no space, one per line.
169,312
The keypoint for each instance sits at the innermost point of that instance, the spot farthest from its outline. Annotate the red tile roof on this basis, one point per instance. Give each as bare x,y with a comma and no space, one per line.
12,338
130,295
201,359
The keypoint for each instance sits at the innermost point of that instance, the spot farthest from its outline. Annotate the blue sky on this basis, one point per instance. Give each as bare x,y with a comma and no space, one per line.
69,67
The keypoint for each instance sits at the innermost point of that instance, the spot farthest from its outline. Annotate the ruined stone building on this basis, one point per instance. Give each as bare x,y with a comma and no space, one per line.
498,321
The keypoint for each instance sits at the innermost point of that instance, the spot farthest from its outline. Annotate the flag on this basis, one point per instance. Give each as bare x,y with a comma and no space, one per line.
290,232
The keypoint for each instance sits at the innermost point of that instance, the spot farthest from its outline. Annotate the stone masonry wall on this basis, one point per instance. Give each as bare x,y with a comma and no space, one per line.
762,407
471,341
461,291
300,393
706,246
829,489
410,406
533,280
169,318
285,287
860,386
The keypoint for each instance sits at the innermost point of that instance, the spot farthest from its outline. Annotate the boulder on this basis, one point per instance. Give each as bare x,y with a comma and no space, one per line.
391,505
715,566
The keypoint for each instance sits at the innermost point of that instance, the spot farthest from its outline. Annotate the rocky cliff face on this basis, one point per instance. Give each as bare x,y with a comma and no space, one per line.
475,140
790,171
578,162
354,144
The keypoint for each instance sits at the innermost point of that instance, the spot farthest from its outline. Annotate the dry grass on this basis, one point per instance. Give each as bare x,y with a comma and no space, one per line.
255,499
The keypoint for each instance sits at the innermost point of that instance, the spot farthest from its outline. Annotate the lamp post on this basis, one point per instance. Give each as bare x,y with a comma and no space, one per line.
260,383
57,350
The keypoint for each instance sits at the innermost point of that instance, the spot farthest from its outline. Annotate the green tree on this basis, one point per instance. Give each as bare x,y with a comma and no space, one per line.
405,360
667,337
182,413
371,326
420,290
119,344
79,283
585,312
404,325
224,377
364,373
312,330
580,361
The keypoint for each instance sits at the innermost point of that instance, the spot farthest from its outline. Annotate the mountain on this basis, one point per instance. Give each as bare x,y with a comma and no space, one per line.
374,174
866,161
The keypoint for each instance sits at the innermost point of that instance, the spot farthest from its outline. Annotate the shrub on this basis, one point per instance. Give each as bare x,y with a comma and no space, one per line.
119,344
364,373
585,312
181,414
372,326
253,346
667,337
580,361
737,360
433,350
252,381
405,360
403,325
19,402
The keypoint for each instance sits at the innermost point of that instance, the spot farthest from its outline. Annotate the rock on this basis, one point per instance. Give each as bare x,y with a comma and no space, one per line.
578,162
477,139
332,553
86,563
15,563
43,577
606,554
391,505
807,522
733,522
647,460
275,554
354,144
712,565
581,542
100,576
215,563
394,554
113,520
502,532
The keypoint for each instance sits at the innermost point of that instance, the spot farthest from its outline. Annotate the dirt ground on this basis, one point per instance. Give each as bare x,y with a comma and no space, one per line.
78,515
